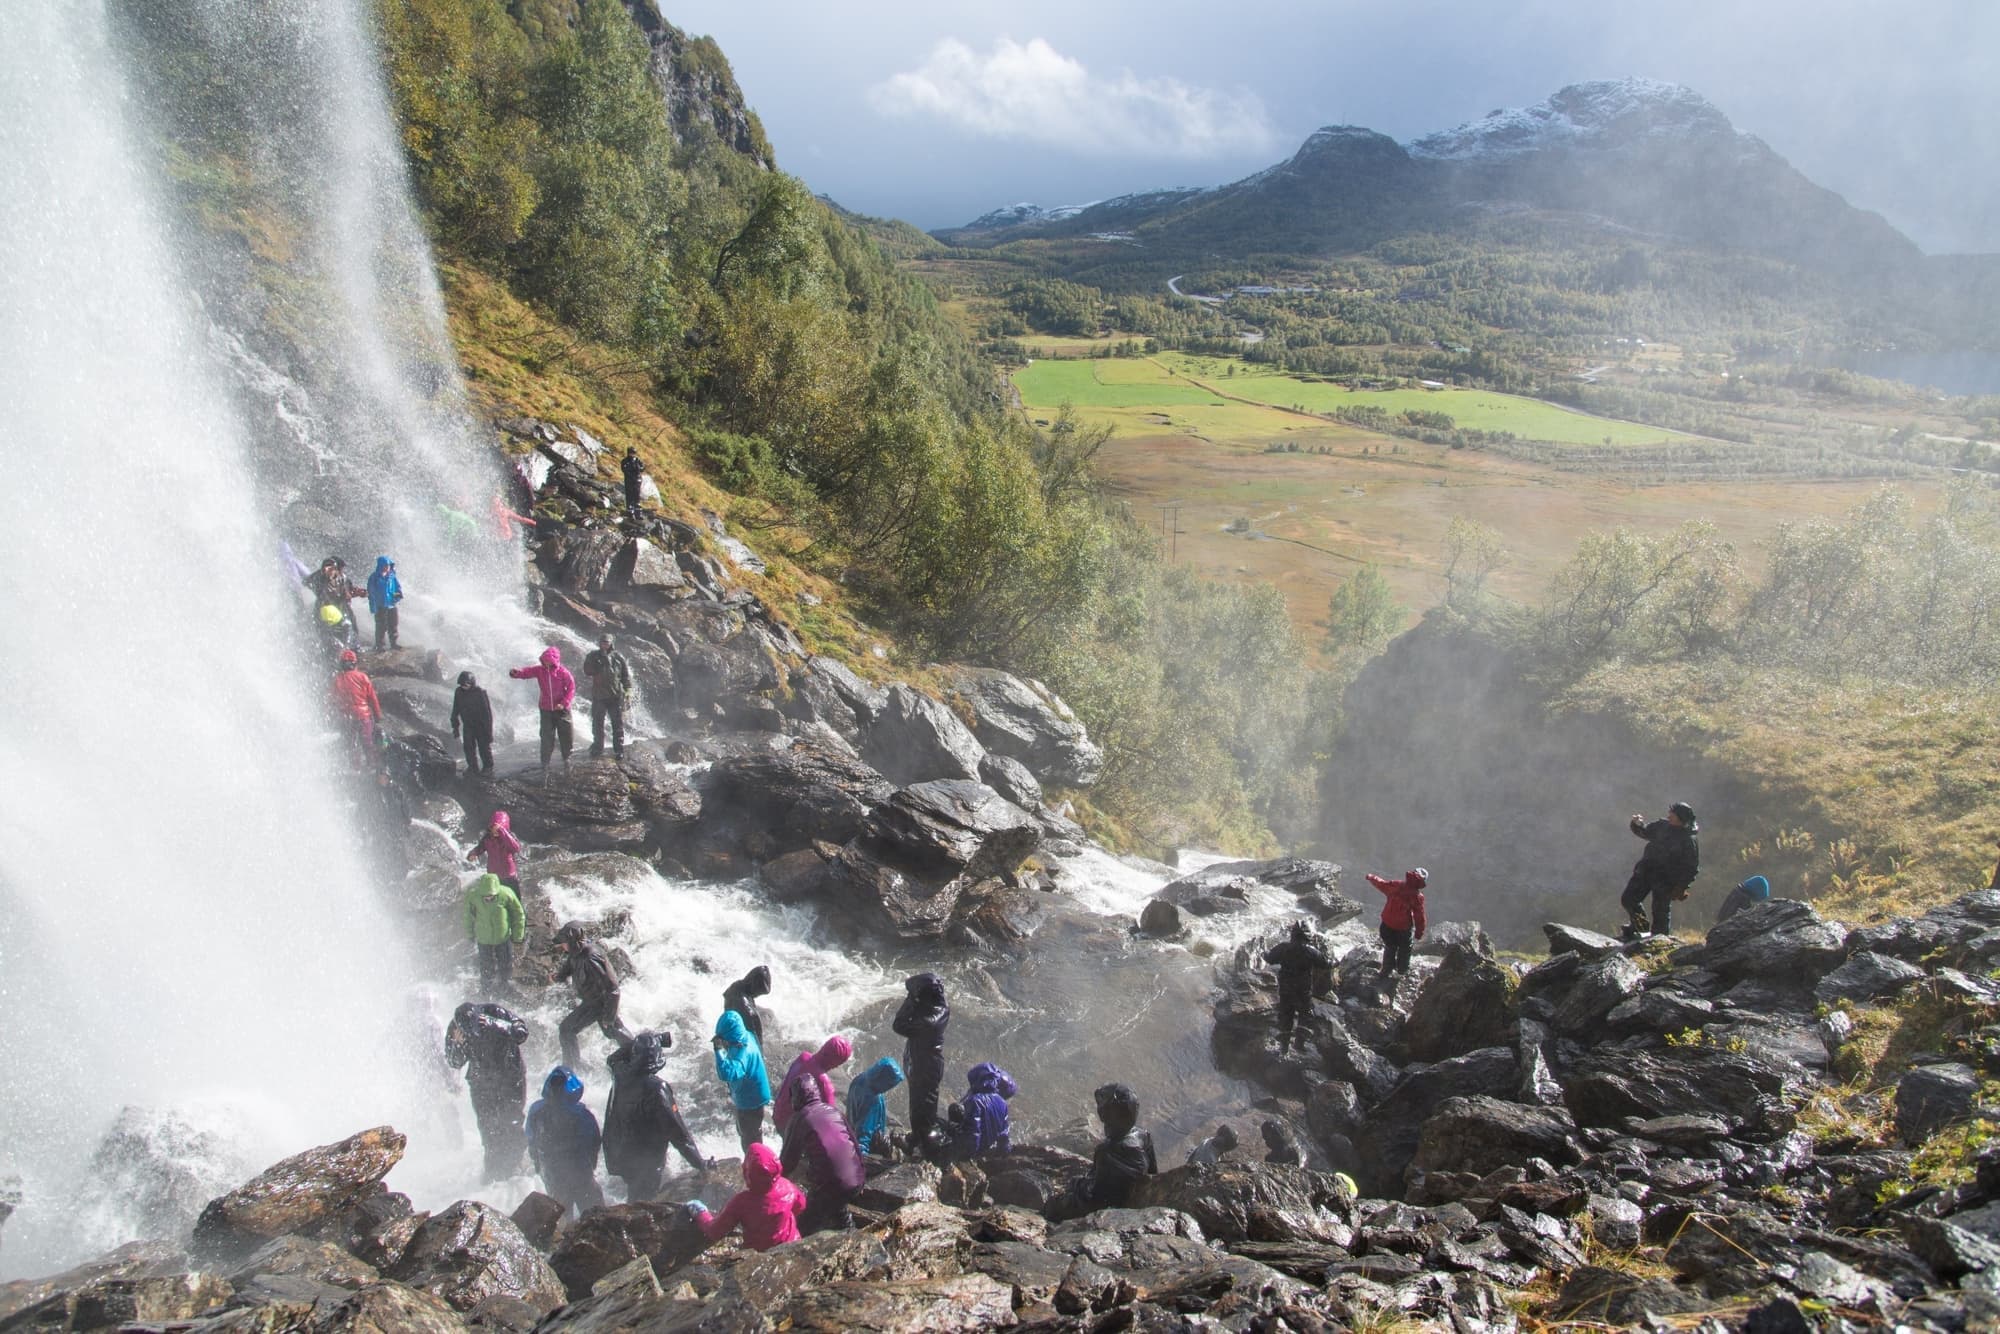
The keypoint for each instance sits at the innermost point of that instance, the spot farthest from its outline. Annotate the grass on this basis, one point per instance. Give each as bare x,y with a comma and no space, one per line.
1102,383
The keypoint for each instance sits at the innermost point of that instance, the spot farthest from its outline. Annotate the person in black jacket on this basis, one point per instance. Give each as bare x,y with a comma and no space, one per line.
1296,960
921,1023
642,1119
610,680
486,1040
1122,1159
634,470
585,966
741,996
1664,870
472,714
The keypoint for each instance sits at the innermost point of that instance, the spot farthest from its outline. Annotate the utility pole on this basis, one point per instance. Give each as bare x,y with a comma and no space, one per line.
1170,526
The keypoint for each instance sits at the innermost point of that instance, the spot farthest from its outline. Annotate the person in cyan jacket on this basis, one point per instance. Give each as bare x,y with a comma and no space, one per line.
586,967
979,1120
563,1140
1664,870
1122,1159
501,850
741,996
767,1209
494,920
739,1063
642,1119
472,717
816,1066
486,1041
868,1108
921,1023
385,594
820,1154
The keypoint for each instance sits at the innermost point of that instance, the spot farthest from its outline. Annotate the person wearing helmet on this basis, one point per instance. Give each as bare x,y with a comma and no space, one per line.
1297,959
355,705
1122,1159
1664,870
472,711
385,594
585,966
486,1040
557,691
1402,917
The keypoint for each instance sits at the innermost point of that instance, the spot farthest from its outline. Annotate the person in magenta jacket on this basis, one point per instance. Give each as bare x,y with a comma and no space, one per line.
502,850
767,1209
1402,917
558,692
813,1065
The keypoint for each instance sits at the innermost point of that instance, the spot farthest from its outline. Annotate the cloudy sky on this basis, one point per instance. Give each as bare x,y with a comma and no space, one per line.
940,110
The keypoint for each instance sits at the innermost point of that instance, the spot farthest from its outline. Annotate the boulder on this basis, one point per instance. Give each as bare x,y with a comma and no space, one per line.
949,827
1160,919
382,1307
642,566
1251,1202
1778,939
108,1302
1660,1010
1466,1003
914,738
906,1183
471,1252
1949,927
959,1302
1931,1097
1011,779
1442,936
292,1195
797,795
924,1241
1575,940
1866,976
320,1261
1606,1085
1346,1057
1388,1140
601,805
1481,1134
1598,986
1295,875
1026,721
604,1241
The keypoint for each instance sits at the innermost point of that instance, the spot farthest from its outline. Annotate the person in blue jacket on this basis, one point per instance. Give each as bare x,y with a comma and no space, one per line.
868,1109
979,1120
385,590
739,1063
1750,894
563,1140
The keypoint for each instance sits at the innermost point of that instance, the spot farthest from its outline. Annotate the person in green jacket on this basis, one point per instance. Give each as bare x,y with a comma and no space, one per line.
494,920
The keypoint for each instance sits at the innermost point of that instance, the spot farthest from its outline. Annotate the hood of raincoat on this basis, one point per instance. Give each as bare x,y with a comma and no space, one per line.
833,1052
876,1080
756,982
382,564
645,1054
551,657
502,819
987,1077
925,987
562,1085
1118,1108
760,1167
731,1030
1757,887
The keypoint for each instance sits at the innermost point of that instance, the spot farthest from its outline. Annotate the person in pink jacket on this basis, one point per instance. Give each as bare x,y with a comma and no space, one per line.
502,850
813,1065
767,1211
558,692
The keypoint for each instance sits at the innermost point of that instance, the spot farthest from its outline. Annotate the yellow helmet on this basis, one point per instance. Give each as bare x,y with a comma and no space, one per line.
329,615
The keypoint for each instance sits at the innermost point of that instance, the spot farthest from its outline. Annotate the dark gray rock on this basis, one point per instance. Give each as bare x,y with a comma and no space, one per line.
1252,1202
1576,940
914,738
1951,1250
1598,986
1466,1003
1027,722
471,1252
1866,976
1660,1010
951,827
1681,1132
292,1195
1931,1097
1388,1141
1296,875
1481,1134
1615,1221
644,567
602,805
1617,1299
1606,1085
1442,936
1011,779
1949,927
795,796
1779,940
604,1241
1160,919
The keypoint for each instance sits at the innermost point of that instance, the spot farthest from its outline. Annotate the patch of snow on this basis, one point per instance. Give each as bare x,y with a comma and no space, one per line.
1583,115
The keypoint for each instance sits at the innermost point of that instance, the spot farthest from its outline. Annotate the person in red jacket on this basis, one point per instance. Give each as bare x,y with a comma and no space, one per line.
354,703
1402,917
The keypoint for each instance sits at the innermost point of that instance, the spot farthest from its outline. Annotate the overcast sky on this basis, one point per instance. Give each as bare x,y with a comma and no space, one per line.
937,111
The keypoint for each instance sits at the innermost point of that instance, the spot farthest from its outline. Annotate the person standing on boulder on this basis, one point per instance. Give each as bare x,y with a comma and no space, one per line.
563,1140
494,920
739,1064
1402,917
813,1067
819,1153
385,594
359,710
1297,961
868,1108
642,1119
741,996
501,849
921,1023
634,472
586,967
558,692
1122,1159
331,588
1664,870
486,1040
610,683
472,711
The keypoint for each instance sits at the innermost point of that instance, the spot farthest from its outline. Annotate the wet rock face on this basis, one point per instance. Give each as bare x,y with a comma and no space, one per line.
600,805
1931,1097
1466,1004
472,1252
292,1195
1480,1134
795,796
1781,938
914,738
1025,721
1246,1203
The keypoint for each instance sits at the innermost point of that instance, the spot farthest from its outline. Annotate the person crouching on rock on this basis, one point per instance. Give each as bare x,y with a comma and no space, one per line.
868,1108
739,1063
921,1023
360,711
1210,1152
557,692
1751,893
563,1140
767,1209
820,1154
1664,870
472,710
1122,1159
494,920
1402,917
585,966
642,1119
741,996
1297,961
979,1120
486,1040
501,849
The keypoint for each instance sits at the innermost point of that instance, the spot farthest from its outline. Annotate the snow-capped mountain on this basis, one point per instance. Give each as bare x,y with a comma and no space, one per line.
1605,114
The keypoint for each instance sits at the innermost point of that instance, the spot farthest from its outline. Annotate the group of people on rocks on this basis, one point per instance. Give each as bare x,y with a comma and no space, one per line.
826,1138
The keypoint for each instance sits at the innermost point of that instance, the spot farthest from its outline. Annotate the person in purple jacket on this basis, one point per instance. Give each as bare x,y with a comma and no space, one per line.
820,1155
979,1120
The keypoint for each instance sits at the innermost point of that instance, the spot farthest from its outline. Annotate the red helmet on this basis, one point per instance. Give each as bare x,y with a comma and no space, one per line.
347,655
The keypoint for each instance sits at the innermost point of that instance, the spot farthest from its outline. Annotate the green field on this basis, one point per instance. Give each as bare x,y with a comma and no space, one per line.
1105,383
